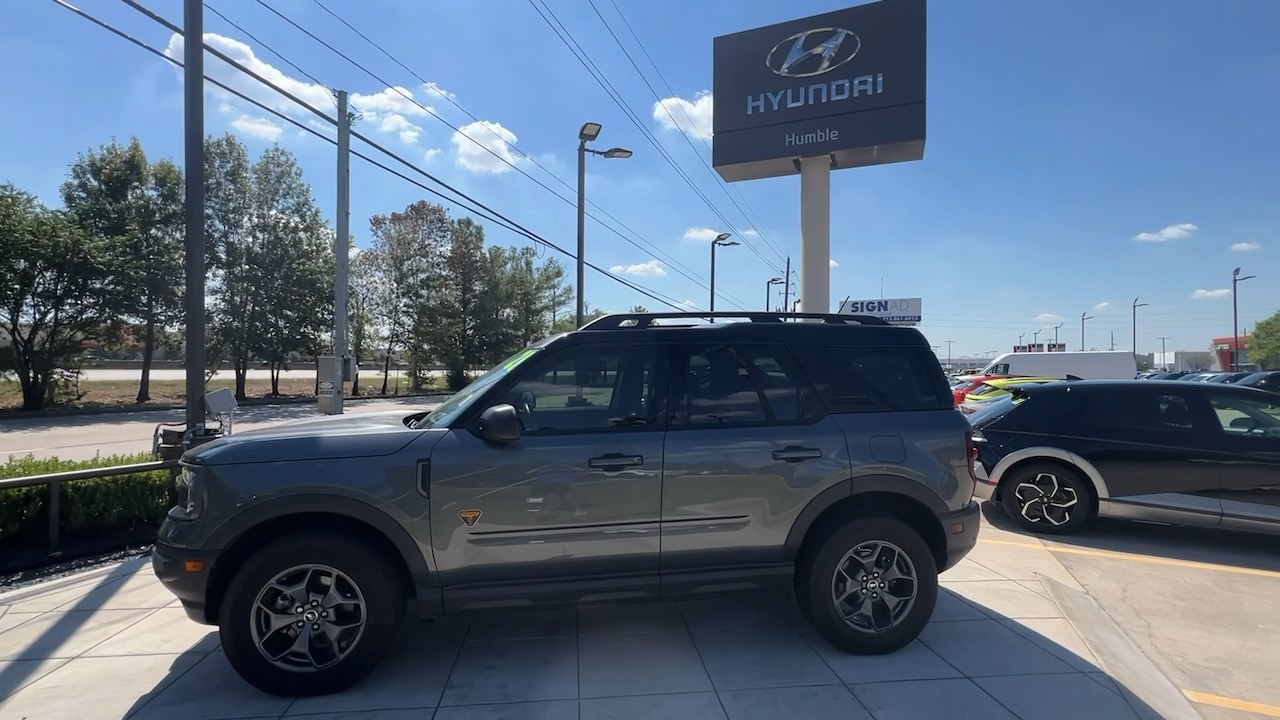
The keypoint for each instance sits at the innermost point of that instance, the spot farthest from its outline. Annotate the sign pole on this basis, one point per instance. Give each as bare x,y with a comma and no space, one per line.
815,234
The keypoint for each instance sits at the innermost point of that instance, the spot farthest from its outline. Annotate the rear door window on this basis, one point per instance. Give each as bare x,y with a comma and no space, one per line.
876,379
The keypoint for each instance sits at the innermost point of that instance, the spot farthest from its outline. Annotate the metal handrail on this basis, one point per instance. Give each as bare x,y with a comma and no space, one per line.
55,480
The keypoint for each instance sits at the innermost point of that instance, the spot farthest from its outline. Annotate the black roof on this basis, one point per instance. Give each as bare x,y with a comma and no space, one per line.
856,330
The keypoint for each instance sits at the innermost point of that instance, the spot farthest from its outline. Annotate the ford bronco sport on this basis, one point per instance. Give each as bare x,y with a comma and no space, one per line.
641,456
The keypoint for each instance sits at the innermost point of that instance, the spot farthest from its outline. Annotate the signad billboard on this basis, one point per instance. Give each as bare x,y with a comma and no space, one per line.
898,311
848,83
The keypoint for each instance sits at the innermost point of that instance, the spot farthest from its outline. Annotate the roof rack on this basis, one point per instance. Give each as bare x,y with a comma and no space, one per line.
644,320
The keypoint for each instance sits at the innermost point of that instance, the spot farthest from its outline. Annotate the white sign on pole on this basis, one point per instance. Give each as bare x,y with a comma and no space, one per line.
898,311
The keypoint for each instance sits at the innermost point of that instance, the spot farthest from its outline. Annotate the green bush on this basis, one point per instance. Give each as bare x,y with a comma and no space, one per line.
122,501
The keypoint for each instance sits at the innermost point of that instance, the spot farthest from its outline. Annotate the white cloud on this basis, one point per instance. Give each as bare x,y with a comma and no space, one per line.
389,109
693,118
688,304
1048,318
259,127
704,234
1210,294
482,146
1245,246
652,268
434,89
1102,305
1166,233
834,264
751,233
431,153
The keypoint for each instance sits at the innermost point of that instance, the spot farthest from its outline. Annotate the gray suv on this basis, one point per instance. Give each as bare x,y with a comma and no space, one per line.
642,456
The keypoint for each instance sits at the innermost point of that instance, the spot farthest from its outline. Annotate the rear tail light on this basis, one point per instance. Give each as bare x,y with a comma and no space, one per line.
971,448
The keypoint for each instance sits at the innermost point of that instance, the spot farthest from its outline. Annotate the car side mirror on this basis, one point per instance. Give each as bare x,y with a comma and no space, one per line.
500,424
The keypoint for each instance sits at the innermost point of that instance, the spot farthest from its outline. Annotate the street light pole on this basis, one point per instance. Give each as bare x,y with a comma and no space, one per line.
1035,337
1235,319
1164,358
1136,305
949,353
1083,316
768,290
1055,333
588,133
720,240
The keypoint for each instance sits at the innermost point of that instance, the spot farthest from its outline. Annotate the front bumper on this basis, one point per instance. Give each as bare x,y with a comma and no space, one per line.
185,573
961,528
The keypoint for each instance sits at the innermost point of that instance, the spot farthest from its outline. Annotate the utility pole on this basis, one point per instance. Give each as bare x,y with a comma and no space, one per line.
1164,358
949,353
193,170
1020,336
786,287
342,251
1113,339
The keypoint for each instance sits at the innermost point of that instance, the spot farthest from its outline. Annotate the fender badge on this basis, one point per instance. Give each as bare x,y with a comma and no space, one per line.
470,517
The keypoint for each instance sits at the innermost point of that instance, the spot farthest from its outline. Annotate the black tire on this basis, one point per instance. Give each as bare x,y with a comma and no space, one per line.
375,579
818,583
1046,498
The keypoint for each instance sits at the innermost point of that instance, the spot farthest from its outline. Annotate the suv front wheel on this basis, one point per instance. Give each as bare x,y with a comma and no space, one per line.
870,587
310,614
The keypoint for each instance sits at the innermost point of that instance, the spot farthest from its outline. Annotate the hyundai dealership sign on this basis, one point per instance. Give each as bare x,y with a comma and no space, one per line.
849,84
898,311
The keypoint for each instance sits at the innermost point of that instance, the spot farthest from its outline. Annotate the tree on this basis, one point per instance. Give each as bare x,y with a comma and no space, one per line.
294,248
1264,343
406,256
362,335
454,335
53,290
232,256
136,209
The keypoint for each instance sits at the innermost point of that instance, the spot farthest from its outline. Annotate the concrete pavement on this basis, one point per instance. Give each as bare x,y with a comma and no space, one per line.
83,437
111,643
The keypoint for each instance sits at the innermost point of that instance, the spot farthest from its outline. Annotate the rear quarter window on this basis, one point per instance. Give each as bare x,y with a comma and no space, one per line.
876,379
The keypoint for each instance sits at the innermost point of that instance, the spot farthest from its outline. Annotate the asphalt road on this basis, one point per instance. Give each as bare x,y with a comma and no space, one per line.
1201,604
83,437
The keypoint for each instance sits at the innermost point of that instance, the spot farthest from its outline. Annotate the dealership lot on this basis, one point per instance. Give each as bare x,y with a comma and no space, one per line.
1023,629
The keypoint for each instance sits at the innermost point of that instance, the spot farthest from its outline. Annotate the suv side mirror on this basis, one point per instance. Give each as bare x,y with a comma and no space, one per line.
500,424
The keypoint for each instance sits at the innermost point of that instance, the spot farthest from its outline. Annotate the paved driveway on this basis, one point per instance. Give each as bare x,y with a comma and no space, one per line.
112,643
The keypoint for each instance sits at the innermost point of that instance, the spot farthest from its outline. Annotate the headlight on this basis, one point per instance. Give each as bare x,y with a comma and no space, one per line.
188,489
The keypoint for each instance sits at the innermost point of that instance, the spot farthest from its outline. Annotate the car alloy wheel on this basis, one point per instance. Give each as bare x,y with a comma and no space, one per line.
1044,499
308,618
874,586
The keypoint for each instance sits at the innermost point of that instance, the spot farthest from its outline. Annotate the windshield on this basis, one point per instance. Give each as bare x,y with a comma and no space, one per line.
455,406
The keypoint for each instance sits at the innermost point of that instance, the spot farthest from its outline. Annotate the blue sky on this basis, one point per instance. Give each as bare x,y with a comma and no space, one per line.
1079,154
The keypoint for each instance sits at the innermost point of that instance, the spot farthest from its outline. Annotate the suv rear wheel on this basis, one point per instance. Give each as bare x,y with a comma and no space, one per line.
870,587
310,614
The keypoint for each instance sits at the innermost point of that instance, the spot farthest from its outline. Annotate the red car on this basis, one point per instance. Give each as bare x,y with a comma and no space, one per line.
973,383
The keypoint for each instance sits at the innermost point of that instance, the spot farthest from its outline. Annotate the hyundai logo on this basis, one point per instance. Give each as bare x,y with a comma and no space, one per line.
813,52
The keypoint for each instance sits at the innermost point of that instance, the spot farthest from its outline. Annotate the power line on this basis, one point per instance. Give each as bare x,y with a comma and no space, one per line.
647,247
658,97
584,58
486,212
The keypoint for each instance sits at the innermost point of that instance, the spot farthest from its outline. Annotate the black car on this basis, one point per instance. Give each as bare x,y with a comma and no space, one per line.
1185,453
1262,380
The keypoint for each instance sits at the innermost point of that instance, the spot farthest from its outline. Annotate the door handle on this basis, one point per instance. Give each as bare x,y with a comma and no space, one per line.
615,461
793,454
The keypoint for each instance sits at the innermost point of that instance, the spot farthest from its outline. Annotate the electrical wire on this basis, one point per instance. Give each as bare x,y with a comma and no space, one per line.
658,99
584,58
759,225
483,211
647,247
